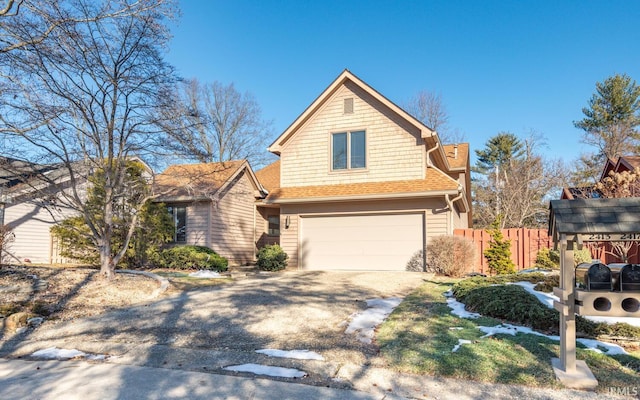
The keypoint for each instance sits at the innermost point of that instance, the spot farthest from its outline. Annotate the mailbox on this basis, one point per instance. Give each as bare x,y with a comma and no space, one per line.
593,276
629,278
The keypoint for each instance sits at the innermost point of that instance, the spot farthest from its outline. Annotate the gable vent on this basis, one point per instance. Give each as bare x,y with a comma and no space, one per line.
348,106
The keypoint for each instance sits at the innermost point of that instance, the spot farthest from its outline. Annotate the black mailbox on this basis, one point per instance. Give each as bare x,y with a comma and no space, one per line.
629,279
593,276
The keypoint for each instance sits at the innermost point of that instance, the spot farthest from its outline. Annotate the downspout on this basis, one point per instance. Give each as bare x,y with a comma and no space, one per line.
450,202
431,151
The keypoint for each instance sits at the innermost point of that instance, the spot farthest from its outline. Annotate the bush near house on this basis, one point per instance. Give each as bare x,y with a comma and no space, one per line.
451,256
272,258
190,257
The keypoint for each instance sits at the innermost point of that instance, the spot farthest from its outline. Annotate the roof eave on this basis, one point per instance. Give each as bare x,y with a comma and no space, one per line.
385,196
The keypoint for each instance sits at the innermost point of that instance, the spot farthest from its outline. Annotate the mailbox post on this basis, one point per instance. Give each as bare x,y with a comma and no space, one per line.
600,290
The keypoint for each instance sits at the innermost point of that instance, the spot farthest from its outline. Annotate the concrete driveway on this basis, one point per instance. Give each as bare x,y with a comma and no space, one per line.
208,329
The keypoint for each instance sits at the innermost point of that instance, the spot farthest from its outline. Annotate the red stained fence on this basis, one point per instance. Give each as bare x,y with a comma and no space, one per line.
525,244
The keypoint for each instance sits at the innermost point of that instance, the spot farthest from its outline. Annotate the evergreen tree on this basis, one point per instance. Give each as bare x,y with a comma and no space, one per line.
498,254
610,124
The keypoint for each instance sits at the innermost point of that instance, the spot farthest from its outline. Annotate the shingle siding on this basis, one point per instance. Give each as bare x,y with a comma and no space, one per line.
232,221
394,149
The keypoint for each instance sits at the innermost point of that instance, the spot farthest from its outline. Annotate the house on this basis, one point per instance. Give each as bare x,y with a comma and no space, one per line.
621,164
360,183
213,205
29,206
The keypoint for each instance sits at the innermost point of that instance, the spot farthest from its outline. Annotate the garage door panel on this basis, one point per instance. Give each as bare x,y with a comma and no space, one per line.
361,242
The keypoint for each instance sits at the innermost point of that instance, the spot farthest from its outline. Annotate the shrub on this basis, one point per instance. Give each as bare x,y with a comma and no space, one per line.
549,282
498,254
499,302
491,297
190,257
416,262
450,255
545,259
550,259
272,258
581,256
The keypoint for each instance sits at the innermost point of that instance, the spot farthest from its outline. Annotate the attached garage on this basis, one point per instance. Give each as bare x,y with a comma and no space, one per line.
372,242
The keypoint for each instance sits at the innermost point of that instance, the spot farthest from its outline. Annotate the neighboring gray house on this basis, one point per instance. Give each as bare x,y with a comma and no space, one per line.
30,217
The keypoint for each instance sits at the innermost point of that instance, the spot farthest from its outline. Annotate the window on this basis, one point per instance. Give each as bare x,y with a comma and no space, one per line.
348,150
274,225
179,217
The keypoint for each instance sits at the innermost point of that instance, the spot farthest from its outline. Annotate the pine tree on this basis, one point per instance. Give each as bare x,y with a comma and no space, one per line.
498,254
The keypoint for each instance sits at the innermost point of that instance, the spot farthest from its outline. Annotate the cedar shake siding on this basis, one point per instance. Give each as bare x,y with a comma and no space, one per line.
393,148
363,216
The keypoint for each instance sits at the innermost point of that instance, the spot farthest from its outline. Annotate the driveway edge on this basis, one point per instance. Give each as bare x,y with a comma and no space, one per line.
163,282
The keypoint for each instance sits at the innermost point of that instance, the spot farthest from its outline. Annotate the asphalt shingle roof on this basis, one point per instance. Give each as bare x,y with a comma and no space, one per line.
591,216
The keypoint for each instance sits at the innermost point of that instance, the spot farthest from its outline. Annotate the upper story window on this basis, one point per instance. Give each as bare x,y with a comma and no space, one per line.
348,150
179,217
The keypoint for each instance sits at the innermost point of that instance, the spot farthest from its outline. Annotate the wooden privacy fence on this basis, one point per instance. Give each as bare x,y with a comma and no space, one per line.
525,244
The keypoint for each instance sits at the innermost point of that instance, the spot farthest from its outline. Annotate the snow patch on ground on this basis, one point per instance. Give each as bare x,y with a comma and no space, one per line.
457,308
54,353
267,370
509,329
296,354
460,343
597,346
206,274
363,324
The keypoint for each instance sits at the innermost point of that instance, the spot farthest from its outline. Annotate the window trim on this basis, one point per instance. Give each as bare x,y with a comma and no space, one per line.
349,168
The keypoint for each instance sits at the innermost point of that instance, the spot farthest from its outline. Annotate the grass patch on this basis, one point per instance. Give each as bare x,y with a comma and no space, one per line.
417,338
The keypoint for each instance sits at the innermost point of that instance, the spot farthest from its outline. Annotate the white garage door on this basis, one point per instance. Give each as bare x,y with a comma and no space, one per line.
360,242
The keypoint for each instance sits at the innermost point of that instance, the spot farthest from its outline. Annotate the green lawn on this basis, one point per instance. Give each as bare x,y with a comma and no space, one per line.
417,338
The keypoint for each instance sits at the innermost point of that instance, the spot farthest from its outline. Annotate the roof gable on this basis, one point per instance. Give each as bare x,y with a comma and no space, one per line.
341,80
182,182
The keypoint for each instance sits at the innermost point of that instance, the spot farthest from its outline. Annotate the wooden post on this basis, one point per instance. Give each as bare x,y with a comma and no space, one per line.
567,318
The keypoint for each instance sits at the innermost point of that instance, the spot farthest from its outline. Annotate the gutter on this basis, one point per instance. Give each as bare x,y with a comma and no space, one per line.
434,193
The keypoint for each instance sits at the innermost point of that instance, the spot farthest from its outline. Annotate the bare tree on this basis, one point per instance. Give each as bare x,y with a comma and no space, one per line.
81,101
429,108
29,22
618,185
518,195
215,123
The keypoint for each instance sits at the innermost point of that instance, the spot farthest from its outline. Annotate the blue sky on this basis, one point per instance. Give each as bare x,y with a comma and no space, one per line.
513,66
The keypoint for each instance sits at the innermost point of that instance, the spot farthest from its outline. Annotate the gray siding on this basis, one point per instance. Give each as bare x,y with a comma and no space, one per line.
31,224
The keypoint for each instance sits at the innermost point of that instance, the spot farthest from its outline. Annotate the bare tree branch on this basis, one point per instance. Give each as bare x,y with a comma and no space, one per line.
82,102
